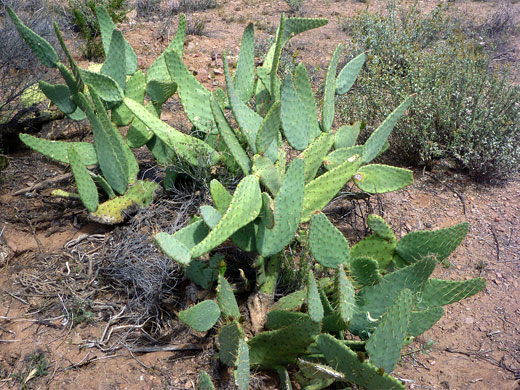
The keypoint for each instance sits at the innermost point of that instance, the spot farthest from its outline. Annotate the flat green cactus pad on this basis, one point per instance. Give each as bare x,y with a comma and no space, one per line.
344,360
57,150
437,243
282,346
205,381
118,210
229,338
385,344
202,316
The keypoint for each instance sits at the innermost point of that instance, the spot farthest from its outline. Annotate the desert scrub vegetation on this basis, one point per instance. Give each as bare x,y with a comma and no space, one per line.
466,109
175,7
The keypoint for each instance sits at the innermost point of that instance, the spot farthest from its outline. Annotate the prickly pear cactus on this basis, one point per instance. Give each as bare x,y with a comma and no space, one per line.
382,292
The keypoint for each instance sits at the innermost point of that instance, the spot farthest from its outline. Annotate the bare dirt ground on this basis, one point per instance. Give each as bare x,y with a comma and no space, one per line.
63,325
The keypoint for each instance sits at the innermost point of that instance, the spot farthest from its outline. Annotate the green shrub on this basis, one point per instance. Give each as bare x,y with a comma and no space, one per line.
294,4
147,8
83,15
464,110
177,6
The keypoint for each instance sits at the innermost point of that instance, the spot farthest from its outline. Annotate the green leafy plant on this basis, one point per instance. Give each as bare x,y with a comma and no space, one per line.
36,366
466,109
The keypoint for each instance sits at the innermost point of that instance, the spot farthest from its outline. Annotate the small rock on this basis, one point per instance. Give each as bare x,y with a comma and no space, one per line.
202,74
468,320
76,339
217,71
190,46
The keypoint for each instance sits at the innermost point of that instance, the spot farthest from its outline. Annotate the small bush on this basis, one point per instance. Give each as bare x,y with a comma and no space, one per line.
177,6
295,5
195,26
464,109
146,8
83,16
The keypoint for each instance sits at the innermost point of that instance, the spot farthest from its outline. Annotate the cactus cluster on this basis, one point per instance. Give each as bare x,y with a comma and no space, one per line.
308,328
378,290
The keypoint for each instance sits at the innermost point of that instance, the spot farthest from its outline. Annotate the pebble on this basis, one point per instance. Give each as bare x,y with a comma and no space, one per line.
468,320
202,74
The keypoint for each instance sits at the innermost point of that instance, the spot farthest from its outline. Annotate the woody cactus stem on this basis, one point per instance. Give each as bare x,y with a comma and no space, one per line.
259,303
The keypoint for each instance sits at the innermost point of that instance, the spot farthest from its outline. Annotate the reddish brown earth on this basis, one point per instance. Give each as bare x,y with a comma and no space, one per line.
475,346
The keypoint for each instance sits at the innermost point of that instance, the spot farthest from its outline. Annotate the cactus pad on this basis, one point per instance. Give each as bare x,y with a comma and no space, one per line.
328,245
375,247
378,179
287,209
202,316
59,94
330,89
438,292
242,373
245,74
295,122
114,65
380,227
346,136
221,197
39,46
376,299
194,97
282,346
57,150
344,295
304,89
349,74
86,187
379,137
230,138
341,358
192,149
438,243
385,344
105,86
244,208
269,130
226,299
277,319
205,381
229,338
119,209
339,156
315,153
422,320
314,306
320,191
364,271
